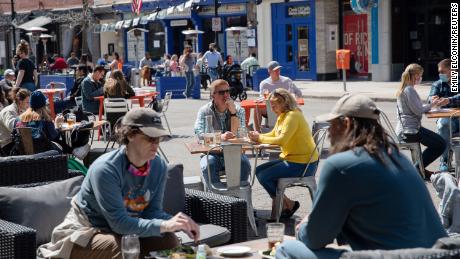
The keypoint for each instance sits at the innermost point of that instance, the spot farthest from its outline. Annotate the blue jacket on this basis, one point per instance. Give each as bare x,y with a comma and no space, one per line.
442,89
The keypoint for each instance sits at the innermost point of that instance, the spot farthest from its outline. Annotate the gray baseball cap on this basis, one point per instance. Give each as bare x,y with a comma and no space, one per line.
147,120
8,72
352,105
273,65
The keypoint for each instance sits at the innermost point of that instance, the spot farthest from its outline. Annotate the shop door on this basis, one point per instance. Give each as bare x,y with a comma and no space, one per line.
302,55
294,39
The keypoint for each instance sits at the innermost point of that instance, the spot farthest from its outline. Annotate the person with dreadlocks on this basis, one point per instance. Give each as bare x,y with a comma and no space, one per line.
369,194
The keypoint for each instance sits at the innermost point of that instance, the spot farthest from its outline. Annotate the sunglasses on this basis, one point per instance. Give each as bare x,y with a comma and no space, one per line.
155,140
223,92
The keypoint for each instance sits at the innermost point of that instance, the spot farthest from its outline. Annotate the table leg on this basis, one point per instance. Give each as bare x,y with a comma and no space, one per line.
141,101
51,104
101,107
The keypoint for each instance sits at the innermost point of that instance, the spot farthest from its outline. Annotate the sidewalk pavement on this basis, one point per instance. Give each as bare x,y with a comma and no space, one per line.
378,91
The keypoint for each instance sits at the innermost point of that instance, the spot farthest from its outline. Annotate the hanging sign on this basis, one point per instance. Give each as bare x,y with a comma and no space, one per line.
216,24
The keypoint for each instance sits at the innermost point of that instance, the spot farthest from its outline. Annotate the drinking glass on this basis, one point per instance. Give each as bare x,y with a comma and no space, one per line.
130,247
208,127
275,234
242,133
217,137
71,119
208,139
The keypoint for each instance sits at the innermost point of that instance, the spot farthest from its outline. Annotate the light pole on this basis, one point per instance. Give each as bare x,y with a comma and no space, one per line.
34,34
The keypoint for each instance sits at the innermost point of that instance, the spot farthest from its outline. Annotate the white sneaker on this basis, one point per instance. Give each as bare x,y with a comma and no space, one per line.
81,152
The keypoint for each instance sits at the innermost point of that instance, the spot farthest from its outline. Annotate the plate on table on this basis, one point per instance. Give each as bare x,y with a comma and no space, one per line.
233,250
440,110
266,254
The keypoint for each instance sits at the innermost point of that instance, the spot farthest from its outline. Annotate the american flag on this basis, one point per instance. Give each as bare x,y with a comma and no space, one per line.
136,6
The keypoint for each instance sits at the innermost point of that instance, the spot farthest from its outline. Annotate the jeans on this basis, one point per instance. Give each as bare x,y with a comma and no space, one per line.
443,129
212,72
29,86
435,144
190,83
269,173
216,164
296,249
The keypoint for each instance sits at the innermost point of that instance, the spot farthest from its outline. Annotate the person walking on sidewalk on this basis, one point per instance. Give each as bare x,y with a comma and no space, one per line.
441,89
369,194
410,110
213,59
187,62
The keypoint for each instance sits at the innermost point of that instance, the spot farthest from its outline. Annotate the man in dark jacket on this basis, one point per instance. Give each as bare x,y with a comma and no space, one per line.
442,89
91,87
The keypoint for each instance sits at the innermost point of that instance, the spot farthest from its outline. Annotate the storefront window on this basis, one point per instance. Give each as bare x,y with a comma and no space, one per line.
156,40
288,32
289,52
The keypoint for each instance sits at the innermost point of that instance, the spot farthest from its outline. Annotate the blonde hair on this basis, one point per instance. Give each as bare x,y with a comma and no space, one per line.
215,84
23,47
408,76
35,115
284,98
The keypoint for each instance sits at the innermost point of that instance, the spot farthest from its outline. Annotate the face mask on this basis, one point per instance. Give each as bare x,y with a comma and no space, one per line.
418,81
443,78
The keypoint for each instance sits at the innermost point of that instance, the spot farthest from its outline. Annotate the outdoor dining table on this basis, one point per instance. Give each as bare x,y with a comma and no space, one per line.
68,130
140,96
443,113
255,246
247,105
50,93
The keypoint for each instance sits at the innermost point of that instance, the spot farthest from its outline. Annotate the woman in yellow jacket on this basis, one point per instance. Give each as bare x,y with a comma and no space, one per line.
292,133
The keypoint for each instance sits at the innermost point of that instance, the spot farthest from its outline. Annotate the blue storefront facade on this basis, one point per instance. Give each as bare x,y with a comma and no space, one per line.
294,38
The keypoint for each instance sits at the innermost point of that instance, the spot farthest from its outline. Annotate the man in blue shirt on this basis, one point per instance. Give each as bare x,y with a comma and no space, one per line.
227,118
369,194
441,89
213,59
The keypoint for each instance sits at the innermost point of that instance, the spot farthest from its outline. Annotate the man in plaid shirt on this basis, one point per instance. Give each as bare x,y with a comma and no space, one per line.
227,117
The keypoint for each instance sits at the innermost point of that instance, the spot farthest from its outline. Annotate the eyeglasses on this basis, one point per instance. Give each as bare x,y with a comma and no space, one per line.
223,92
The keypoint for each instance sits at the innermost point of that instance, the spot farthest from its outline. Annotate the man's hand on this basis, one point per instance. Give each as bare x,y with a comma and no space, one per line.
304,220
443,101
254,136
230,105
181,222
434,98
227,135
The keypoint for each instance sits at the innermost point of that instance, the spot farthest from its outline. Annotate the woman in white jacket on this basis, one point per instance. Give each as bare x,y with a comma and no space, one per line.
8,116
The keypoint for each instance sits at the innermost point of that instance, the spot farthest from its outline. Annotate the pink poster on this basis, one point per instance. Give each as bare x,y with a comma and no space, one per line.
355,39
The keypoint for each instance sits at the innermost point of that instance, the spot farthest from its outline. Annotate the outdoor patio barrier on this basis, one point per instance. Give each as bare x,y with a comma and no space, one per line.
177,86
